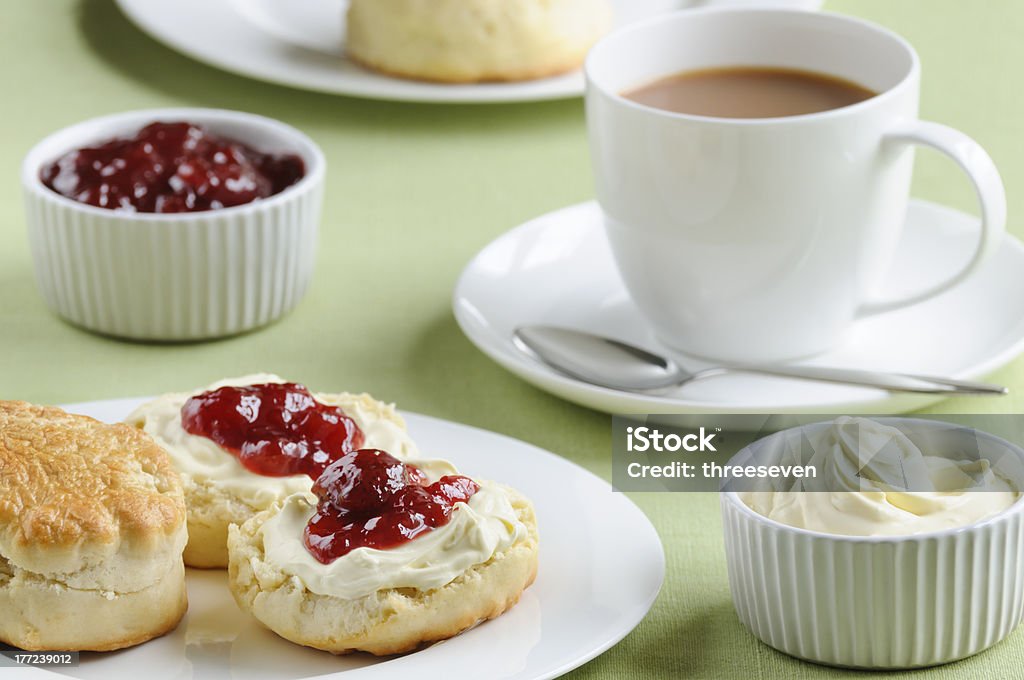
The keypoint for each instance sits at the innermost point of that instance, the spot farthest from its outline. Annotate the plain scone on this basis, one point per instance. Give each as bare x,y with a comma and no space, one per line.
388,621
465,41
212,508
92,528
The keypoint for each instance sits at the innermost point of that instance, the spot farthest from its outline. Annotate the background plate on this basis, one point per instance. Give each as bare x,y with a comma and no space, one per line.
300,43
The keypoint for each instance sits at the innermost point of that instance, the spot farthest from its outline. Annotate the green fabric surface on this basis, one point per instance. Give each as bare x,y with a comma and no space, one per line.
414,191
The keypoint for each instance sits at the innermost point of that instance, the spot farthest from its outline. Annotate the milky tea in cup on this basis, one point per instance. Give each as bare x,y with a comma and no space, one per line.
749,92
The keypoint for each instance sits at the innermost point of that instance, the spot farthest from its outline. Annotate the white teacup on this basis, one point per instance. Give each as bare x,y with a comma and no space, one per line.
763,239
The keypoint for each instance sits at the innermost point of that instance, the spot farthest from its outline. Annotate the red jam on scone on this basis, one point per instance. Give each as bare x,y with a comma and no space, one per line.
274,429
369,498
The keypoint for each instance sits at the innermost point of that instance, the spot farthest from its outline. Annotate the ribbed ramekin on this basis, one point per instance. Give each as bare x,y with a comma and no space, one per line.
877,602
175,277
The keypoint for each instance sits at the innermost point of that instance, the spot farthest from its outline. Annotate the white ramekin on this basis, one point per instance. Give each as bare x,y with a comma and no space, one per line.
878,602
189,276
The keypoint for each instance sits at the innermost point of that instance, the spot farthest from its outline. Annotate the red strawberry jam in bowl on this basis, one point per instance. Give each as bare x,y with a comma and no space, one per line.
171,167
274,429
370,499
174,224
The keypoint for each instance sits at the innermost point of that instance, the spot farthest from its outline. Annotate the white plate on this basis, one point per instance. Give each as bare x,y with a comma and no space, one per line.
601,567
558,269
299,43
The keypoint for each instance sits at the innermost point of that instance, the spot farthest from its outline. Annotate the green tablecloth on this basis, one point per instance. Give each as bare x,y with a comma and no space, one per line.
413,192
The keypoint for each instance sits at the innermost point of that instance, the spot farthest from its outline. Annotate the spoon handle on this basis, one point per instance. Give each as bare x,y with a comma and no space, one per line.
897,382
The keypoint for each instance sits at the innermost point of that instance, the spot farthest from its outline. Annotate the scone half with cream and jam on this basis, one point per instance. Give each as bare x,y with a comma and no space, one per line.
92,528
245,444
393,554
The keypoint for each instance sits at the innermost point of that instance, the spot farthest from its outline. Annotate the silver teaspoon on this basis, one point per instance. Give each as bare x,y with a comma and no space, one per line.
620,366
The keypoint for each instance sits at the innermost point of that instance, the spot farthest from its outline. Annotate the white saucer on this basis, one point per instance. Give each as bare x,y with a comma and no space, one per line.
558,269
601,568
299,43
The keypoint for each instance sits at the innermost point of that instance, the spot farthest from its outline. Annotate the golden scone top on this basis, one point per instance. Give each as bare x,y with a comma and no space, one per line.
68,479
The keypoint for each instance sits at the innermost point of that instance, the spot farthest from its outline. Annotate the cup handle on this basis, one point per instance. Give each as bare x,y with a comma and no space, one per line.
983,174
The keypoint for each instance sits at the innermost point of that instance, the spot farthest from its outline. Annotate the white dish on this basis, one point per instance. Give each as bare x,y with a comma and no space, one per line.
558,269
175,276
303,46
879,602
580,605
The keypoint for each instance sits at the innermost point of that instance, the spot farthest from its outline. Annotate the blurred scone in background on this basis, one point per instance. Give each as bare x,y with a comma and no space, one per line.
466,41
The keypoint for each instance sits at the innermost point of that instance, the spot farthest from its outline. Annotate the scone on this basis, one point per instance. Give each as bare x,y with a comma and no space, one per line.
92,528
219,489
327,575
465,41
